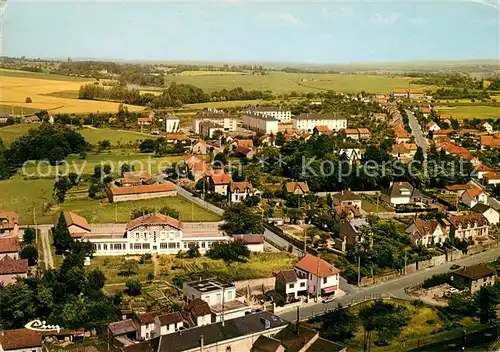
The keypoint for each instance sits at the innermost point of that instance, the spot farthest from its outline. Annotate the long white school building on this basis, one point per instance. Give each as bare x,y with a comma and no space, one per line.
152,233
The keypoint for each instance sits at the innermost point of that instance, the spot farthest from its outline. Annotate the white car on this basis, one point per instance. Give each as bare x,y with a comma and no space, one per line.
328,299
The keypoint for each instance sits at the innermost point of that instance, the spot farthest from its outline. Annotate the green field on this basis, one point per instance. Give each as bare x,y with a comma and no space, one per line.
26,74
9,133
17,110
279,82
94,135
140,162
22,196
69,94
210,73
471,111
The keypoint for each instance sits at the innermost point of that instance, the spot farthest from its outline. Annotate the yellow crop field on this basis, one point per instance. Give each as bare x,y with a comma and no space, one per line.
15,90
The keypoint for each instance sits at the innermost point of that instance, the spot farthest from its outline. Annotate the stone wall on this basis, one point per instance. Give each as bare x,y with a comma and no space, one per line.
255,286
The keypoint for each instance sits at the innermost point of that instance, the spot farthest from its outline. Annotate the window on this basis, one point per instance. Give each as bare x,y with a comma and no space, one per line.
302,284
163,245
154,236
168,327
99,246
325,279
137,246
291,285
105,246
229,295
117,246
145,246
171,245
131,246
203,244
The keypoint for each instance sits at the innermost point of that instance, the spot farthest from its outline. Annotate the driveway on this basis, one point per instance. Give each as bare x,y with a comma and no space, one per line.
417,131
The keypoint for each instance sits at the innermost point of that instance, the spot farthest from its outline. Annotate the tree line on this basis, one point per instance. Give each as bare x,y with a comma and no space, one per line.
48,142
175,95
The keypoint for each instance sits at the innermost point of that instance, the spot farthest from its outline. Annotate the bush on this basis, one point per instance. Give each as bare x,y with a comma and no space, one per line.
436,280
134,287
28,100
430,321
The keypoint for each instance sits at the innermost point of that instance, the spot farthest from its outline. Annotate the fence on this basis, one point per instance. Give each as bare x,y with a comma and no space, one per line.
294,241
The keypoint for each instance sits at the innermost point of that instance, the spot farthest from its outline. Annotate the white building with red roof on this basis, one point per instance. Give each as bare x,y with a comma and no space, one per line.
322,277
10,269
151,233
9,246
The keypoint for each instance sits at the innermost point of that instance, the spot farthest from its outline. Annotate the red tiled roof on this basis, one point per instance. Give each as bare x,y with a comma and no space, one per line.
20,339
453,188
198,308
222,179
250,238
144,119
9,245
492,176
490,141
241,186
482,167
154,218
77,220
363,131
426,226
148,318
292,186
242,150
400,132
245,143
315,265
8,220
13,266
322,128
473,192
399,149
170,318
156,188
468,218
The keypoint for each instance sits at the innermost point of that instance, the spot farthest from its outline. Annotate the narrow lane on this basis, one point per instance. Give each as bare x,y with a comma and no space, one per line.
46,245
417,131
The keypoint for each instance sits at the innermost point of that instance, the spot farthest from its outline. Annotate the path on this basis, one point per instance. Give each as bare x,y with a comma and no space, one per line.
394,288
417,131
46,245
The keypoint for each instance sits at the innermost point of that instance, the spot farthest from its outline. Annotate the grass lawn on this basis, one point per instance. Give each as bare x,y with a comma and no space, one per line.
421,329
211,73
17,110
471,111
21,196
280,82
9,133
40,75
111,266
123,137
141,162
70,94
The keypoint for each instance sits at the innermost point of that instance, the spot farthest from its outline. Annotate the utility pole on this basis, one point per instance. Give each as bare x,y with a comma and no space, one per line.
405,262
305,242
317,280
359,270
377,204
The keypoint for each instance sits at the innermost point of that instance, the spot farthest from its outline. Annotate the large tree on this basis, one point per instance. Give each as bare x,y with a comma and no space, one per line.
30,253
386,319
62,238
29,236
236,251
240,219
339,324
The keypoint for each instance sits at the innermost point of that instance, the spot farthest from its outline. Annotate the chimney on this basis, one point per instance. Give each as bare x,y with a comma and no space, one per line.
201,343
298,321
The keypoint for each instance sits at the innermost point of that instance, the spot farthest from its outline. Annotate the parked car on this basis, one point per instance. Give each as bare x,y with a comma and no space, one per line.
328,299
455,267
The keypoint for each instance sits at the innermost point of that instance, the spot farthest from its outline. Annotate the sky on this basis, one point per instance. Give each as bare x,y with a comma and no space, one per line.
318,32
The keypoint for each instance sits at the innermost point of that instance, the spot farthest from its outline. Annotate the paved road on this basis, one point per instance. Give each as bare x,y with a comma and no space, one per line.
47,252
417,131
395,287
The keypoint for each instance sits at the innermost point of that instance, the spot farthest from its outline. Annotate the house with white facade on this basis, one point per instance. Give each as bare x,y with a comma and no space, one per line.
473,196
282,115
260,123
401,193
238,191
289,285
322,277
172,123
229,122
209,290
168,323
151,233
309,121
471,226
491,178
254,242
9,246
488,212
221,182
209,128
432,126
427,232
488,127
